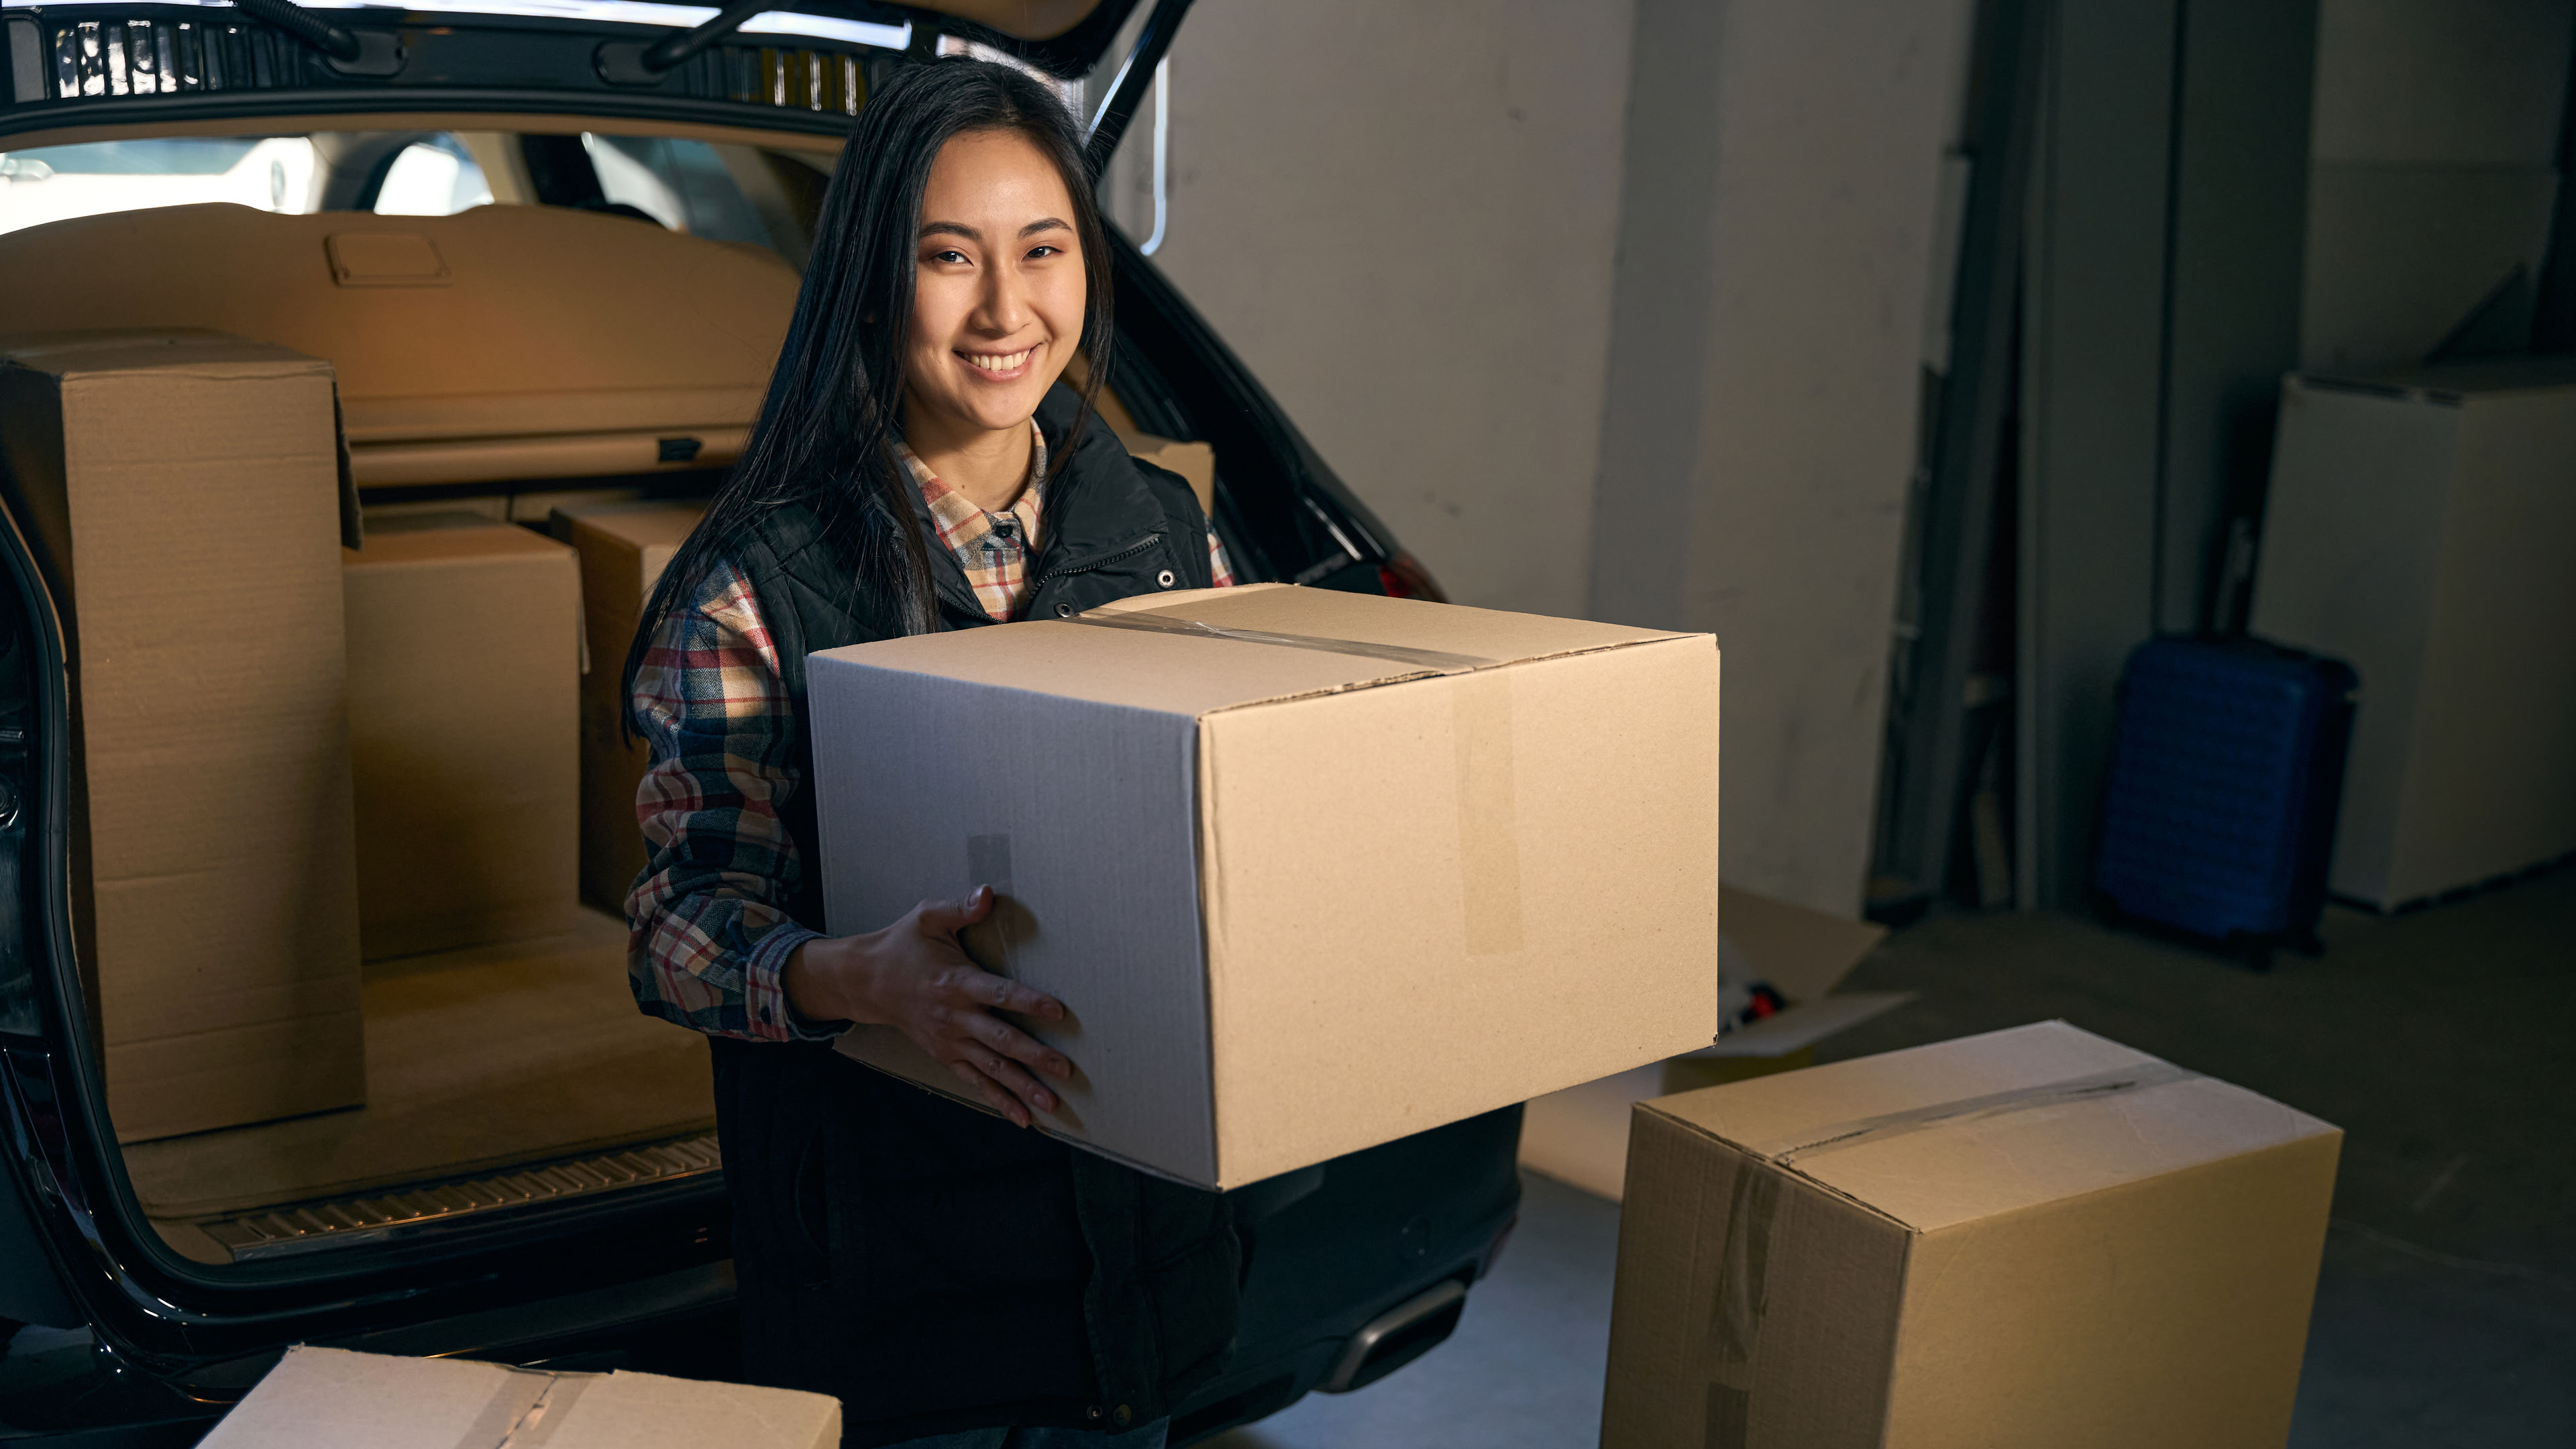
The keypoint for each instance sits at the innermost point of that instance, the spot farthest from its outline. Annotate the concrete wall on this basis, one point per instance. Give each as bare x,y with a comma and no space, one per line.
1647,352
1783,172
1405,218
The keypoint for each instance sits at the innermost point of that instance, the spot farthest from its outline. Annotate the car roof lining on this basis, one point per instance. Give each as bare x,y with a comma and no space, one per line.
807,143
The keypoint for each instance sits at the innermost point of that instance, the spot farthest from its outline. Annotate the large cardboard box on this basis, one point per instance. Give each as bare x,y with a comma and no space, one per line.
2420,526
1311,870
328,1398
464,675
1580,1135
185,492
2023,1240
624,547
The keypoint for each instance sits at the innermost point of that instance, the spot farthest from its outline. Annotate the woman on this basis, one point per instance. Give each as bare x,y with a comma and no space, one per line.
916,466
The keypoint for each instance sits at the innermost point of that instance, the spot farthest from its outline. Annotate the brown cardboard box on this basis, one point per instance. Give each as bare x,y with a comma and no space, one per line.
1580,1135
464,673
185,492
1311,870
328,1398
2023,1240
624,548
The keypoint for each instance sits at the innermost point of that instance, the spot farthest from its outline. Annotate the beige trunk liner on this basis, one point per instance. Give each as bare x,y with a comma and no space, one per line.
476,1059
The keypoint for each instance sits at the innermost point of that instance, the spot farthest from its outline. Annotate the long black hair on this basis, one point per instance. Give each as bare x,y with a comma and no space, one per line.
827,428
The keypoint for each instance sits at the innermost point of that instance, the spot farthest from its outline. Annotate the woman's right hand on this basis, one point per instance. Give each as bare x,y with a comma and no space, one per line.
915,977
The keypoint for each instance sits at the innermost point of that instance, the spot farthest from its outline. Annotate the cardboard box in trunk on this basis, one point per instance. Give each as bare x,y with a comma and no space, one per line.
328,1398
624,547
1580,1135
464,666
186,494
2034,1237
1312,871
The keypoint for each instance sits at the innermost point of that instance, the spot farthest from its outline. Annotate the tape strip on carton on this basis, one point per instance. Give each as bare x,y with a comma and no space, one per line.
1489,850
1787,1150
1431,659
1737,1307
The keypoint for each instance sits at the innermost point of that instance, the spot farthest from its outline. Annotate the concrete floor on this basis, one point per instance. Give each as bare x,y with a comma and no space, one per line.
2443,1042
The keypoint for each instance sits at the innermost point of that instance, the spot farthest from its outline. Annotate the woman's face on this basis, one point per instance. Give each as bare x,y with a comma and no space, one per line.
998,287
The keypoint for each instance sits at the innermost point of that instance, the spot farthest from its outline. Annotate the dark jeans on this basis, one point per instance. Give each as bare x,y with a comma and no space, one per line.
1148,1437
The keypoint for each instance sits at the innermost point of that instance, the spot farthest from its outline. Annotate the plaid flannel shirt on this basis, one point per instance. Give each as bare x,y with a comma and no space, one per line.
711,933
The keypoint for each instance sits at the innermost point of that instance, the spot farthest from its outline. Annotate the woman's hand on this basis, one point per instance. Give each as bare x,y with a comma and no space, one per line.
915,977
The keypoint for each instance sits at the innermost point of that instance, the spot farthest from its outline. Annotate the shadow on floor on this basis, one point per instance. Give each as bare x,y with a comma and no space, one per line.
2443,1042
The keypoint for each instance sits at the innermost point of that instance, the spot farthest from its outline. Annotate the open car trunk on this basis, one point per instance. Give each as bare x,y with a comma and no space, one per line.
527,400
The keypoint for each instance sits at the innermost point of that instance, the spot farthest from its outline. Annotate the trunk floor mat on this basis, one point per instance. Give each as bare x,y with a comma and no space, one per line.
476,1059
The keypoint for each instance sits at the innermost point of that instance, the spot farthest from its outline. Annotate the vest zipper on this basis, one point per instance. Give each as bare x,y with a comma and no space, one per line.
1094,562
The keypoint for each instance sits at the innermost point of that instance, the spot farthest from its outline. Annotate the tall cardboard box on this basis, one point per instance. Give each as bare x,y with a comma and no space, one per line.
2420,526
624,547
464,681
2023,1240
1310,870
185,492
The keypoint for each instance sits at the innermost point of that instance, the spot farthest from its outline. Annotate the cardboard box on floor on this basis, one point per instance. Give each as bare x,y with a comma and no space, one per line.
1580,1135
624,547
1311,870
464,676
186,493
328,1398
2022,1240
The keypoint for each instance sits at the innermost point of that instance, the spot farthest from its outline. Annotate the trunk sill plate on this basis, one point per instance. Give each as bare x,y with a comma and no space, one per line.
266,1233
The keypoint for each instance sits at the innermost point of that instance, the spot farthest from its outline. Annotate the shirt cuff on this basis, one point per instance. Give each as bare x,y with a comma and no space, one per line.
764,989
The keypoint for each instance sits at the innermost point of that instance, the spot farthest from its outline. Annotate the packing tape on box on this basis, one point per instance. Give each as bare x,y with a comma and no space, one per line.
1736,1310
1431,659
1489,850
524,1411
1785,1151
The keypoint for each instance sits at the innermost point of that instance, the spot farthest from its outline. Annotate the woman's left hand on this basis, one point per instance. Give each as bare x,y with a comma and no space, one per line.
915,977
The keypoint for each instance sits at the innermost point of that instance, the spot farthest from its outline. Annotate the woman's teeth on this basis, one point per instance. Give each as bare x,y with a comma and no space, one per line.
997,361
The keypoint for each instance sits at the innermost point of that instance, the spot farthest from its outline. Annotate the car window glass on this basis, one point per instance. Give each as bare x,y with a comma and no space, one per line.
436,177
682,184
55,183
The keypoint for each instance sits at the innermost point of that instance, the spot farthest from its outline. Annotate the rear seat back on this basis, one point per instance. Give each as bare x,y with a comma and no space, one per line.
501,343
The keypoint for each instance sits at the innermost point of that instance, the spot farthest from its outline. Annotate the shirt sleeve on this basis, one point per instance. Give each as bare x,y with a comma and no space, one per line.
710,930
1220,568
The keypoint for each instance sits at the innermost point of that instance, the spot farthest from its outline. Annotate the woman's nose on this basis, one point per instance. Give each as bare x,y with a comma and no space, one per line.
1005,304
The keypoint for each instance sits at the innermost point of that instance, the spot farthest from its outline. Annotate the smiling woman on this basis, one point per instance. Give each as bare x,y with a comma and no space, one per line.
917,465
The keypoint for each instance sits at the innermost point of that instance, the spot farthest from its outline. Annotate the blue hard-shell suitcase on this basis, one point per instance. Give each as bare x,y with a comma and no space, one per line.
2226,769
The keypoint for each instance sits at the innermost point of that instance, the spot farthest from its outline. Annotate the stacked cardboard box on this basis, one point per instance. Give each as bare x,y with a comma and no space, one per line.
185,493
1311,870
464,669
624,548
2029,1238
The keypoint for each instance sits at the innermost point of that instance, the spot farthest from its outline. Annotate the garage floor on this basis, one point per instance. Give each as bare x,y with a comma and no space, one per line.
2443,1042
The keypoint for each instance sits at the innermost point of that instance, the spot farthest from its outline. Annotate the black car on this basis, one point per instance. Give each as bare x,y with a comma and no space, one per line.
146,1285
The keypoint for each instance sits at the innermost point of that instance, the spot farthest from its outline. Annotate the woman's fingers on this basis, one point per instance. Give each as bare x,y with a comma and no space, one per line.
995,1095
1015,1079
947,918
1003,994
1010,1041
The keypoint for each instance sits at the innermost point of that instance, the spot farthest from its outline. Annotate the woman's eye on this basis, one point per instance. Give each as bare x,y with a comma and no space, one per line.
1035,252
951,256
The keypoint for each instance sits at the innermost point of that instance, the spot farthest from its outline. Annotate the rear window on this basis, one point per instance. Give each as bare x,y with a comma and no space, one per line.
683,184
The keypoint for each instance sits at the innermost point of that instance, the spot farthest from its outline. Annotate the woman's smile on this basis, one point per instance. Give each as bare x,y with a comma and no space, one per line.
1001,366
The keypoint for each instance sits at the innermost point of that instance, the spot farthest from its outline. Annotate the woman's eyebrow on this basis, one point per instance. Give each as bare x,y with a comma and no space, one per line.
1048,224
952,228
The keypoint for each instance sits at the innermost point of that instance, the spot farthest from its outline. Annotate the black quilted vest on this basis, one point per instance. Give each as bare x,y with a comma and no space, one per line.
935,1268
